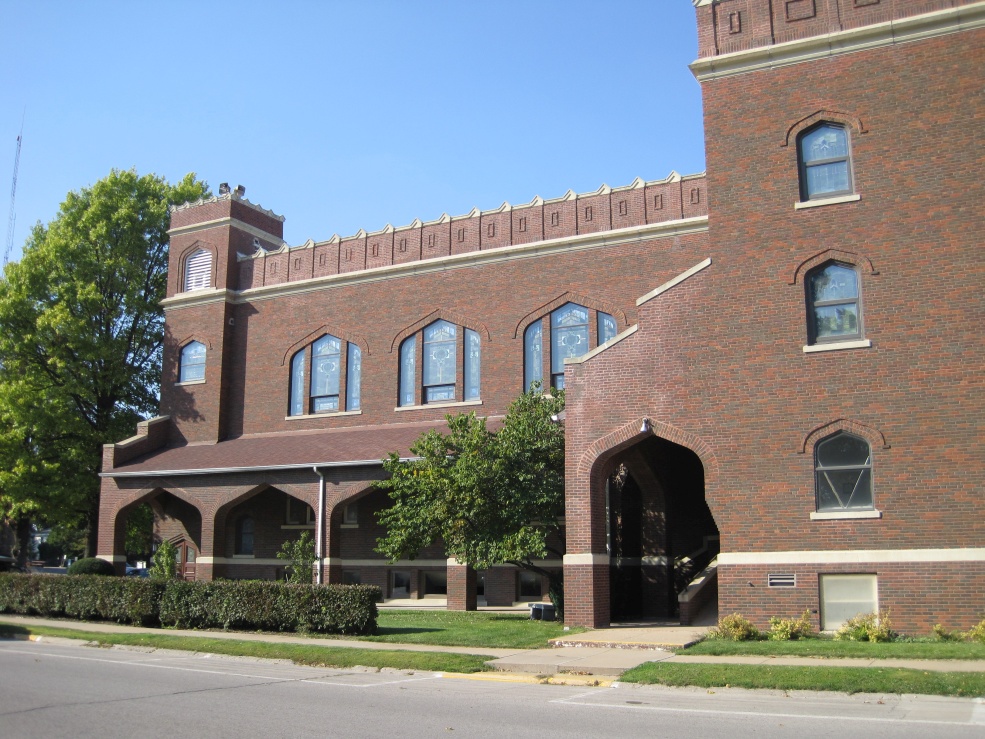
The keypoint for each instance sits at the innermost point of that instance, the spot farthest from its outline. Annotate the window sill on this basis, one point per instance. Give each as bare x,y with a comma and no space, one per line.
837,515
189,382
297,526
349,526
827,201
437,405
834,346
323,415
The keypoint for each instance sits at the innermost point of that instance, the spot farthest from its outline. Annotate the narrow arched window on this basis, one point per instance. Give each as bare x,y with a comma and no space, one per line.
244,535
533,354
320,389
408,363
198,270
843,473
606,327
192,362
833,303
473,364
825,162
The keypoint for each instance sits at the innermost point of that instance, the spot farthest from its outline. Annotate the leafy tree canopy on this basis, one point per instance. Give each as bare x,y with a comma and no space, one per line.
81,330
489,498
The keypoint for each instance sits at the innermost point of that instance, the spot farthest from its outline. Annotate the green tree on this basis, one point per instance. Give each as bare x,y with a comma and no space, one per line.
300,553
490,498
165,564
81,330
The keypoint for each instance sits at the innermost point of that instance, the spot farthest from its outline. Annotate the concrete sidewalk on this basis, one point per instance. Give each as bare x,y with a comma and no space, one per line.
602,652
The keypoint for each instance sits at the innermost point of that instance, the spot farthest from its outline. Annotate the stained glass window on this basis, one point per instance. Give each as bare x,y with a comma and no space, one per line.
297,384
439,362
533,351
606,327
473,364
325,365
353,378
825,162
569,338
408,352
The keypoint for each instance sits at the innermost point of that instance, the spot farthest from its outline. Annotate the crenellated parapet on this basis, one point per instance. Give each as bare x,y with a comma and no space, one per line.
638,203
731,26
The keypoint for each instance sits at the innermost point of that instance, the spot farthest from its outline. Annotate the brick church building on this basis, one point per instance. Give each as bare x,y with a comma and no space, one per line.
773,370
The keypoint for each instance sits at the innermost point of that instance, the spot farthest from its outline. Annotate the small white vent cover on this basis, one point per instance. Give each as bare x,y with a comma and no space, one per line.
782,581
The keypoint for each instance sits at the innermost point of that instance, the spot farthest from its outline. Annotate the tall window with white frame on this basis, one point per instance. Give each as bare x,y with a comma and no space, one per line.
824,156
451,365
191,367
331,359
843,473
569,337
833,303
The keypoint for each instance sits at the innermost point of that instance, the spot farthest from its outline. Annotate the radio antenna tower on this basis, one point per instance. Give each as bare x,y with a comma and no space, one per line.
13,194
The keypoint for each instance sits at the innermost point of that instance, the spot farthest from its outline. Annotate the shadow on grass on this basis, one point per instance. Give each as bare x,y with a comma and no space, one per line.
12,632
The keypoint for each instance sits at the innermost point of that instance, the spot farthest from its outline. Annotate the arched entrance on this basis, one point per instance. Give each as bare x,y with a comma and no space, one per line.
660,532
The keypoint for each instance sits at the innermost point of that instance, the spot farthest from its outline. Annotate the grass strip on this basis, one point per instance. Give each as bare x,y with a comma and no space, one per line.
315,655
833,648
466,629
841,679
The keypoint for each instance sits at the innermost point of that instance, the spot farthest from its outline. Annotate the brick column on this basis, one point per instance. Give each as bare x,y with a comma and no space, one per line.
461,587
586,590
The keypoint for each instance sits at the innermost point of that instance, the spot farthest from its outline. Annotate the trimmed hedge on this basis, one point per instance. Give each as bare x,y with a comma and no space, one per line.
124,599
91,566
248,604
270,606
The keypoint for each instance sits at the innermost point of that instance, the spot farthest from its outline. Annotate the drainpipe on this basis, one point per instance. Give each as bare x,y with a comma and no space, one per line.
320,522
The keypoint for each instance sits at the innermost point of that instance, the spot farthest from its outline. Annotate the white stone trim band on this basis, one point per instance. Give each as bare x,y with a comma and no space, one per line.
586,559
852,556
676,281
113,558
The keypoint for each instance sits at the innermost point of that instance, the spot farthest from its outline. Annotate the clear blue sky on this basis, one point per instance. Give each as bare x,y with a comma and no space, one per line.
347,115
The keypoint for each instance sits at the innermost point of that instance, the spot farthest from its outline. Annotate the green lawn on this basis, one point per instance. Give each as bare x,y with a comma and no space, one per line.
467,629
842,679
315,654
831,648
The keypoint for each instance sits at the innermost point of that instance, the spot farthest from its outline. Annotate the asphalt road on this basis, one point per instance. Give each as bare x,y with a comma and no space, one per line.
58,690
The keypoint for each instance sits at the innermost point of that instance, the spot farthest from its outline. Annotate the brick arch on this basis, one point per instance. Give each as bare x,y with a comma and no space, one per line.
832,255
194,337
570,297
183,261
146,493
846,119
317,333
350,495
439,314
872,435
593,459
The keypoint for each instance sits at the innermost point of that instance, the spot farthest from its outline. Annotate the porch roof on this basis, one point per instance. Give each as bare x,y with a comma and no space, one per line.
353,446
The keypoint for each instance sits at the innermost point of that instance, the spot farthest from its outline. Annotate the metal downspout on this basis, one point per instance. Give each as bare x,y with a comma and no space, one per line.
320,532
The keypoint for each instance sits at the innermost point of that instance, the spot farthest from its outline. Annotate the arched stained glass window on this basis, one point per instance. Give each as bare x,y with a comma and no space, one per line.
451,365
321,392
825,162
569,338
439,362
833,303
192,363
198,270
326,362
843,473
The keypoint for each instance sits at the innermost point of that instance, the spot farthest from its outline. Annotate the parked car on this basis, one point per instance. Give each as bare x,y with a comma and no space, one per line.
137,571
